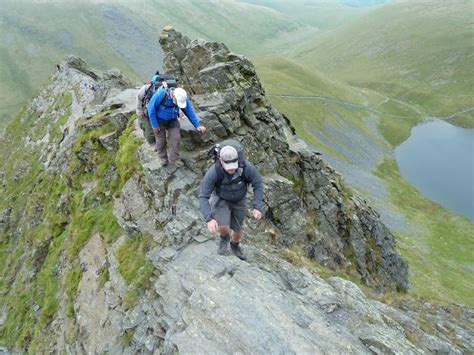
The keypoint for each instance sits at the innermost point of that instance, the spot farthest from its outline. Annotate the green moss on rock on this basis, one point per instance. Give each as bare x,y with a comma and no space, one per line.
57,216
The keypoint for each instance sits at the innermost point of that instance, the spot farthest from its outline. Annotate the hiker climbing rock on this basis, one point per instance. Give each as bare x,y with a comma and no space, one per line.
163,111
222,197
143,97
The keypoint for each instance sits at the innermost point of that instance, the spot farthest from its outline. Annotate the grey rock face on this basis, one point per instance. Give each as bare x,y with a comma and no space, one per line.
91,311
109,141
305,199
219,304
133,210
209,303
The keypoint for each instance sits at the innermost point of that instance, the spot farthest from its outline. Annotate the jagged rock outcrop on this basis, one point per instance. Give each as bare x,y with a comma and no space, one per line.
305,198
104,250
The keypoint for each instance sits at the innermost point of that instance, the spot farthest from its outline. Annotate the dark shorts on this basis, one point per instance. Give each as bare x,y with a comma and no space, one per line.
228,213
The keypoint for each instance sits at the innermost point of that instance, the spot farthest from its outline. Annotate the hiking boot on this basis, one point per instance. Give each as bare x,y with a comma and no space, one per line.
178,163
164,162
237,250
223,245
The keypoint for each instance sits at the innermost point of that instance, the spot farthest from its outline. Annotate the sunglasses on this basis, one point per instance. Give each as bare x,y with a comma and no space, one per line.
230,161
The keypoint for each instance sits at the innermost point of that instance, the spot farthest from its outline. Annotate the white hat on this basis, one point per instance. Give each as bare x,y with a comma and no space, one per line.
181,97
229,157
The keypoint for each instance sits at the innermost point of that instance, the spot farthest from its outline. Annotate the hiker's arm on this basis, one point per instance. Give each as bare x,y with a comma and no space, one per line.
207,186
257,185
155,99
191,115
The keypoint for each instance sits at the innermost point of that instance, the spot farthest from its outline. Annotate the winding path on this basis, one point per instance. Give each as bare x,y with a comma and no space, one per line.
329,98
368,108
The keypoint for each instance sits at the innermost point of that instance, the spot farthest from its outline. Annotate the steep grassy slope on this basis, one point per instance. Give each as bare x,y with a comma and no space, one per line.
356,131
122,34
419,52
438,244
47,215
244,28
36,36
319,92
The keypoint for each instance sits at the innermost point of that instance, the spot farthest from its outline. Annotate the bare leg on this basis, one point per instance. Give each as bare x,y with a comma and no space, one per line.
224,230
237,235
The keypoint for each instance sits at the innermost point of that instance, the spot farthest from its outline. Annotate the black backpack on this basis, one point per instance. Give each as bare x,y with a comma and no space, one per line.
215,150
169,79
149,93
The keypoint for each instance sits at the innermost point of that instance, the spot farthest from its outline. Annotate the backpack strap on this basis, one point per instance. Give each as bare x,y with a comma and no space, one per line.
244,174
145,95
220,172
165,97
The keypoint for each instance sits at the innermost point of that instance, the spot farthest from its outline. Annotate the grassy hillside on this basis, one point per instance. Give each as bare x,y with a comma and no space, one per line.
53,217
361,3
36,36
419,52
358,139
245,28
439,244
284,77
122,34
322,14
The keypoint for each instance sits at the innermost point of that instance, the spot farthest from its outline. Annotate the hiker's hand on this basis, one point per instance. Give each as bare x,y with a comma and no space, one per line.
201,129
256,214
156,130
212,226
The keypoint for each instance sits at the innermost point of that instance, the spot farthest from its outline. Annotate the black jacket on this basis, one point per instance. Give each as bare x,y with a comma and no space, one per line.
231,188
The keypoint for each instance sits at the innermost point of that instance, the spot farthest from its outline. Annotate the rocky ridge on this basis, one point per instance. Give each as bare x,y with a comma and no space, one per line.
176,294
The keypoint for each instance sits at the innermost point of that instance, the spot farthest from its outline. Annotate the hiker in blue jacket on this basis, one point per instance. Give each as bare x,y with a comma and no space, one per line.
163,111
222,198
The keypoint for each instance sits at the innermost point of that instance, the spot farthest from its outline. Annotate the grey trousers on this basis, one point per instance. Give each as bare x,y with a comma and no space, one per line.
168,138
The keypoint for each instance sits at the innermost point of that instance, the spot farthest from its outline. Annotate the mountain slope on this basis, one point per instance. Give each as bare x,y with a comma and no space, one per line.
105,251
321,14
356,130
88,183
418,52
38,35
244,27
